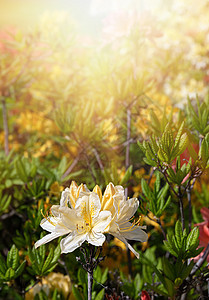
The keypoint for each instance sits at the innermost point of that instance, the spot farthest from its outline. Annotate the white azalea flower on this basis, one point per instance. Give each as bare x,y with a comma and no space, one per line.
54,225
84,222
124,210
70,195
124,230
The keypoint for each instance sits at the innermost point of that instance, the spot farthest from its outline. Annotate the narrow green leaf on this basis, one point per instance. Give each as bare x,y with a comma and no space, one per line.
179,133
9,274
11,255
104,276
3,266
145,188
192,238
76,293
187,270
48,260
127,175
20,269
178,234
100,295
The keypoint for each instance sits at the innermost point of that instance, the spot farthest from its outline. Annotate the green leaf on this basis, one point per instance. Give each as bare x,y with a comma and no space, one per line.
178,234
20,269
183,143
57,253
203,152
192,238
76,293
104,276
82,276
127,176
143,149
98,274
168,269
145,188
162,155
179,133
12,257
9,274
187,270
3,266
100,295
48,260
21,171
171,248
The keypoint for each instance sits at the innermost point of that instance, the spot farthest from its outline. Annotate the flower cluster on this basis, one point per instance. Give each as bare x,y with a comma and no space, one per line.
87,216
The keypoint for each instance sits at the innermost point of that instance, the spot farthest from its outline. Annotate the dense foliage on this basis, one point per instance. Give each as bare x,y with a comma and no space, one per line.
131,108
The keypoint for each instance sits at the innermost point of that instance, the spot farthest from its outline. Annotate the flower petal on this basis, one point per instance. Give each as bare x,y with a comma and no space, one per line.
88,205
136,233
205,213
122,239
95,238
65,197
72,242
47,238
126,209
102,223
68,217
48,224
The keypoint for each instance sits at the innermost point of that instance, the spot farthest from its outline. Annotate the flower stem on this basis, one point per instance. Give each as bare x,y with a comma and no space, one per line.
90,282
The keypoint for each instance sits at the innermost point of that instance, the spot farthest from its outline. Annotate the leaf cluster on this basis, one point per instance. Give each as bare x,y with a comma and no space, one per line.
199,117
42,263
11,268
155,199
181,244
165,149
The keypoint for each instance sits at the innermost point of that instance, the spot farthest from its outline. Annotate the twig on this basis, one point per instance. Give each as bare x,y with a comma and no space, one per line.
181,207
71,167
6,129
128,136
127,164
200,261
190,206
161,226
89,167
162,171
150,177
98,159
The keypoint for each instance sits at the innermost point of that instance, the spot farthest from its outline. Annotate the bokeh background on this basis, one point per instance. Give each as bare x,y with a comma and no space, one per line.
81,82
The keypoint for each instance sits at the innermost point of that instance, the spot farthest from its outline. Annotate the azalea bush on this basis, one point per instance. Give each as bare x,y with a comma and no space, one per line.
104,158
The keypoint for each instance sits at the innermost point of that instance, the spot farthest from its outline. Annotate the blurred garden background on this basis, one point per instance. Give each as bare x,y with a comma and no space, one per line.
97,92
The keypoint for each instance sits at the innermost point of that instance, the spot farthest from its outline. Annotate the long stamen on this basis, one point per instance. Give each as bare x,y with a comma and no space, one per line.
131,228
47,218
128,220
53,214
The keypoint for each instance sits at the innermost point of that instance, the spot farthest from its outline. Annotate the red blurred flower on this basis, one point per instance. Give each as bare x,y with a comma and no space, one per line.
204,231
184,159
145,296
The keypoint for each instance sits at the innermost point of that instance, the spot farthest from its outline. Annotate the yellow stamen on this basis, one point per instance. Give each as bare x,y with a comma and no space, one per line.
47,218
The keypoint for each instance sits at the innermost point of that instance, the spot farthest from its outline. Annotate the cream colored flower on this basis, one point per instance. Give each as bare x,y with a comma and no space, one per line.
86,216
84,222
123,211
54,225
124,230
70,195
